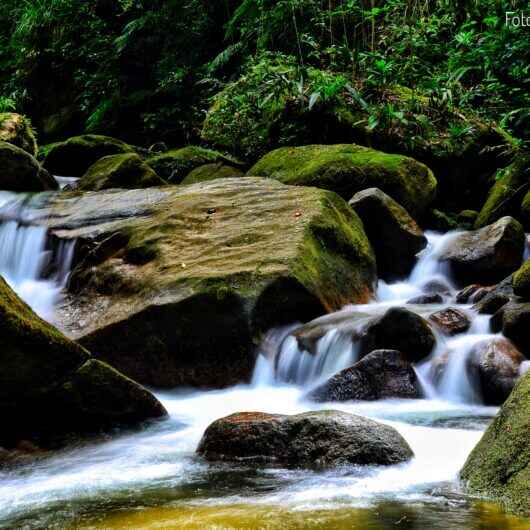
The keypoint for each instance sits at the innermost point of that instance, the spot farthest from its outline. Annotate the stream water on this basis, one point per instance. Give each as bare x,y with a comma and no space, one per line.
151,478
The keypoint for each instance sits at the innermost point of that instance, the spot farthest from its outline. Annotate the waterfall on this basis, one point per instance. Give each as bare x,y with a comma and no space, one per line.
289,358
36,269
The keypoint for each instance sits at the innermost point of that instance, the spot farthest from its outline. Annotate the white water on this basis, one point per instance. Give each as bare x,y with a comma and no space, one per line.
158,464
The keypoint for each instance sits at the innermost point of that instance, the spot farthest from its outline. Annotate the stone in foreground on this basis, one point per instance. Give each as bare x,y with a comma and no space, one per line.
499,466
381,374
394,235
312,440
51,389
348,168
173,284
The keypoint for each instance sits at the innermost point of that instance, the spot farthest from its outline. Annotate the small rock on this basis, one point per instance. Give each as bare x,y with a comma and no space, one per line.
450,321
426,299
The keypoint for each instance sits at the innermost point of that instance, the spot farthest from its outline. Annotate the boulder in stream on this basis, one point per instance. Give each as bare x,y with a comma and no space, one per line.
402,330
125,170
513,319
17,130
20,172
450,321
217,170
172,285
380,374
486,255
51,389
394,235
349,168
313,439
499,466
74,156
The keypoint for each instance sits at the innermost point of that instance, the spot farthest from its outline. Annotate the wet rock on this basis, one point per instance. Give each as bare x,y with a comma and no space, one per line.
17,130
521,281
394,235
437,287
235,257
380,374
313,439
498,466
20,172
514,321
73,157
402,330
487,255
495,297
495,364
472,293
126,171
347,169
424,299
52,389
450,321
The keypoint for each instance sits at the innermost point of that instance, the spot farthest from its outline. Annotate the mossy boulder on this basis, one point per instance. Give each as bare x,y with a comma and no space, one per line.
176,164
249,119
17,130
394,235
499,466
19,171
347,169
525,211
43,372
508,192
521,280
213,171
158,267
126,170
73,157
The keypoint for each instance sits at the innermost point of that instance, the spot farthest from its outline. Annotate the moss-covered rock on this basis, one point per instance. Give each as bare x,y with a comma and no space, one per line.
525,211
499,466
249,119
19,171
42,372
73,157
507,193
235,257
347,169
521,280
176,164
394,235
126,170
17,130
218,170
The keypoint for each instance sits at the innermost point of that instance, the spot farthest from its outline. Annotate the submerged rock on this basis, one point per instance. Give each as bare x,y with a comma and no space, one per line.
380,374
119,171
499,465
495,366
52,389
487,255
20,172
394,235
450,321
312,439
73,157
176,164
402,330
173,284
347,169
17,130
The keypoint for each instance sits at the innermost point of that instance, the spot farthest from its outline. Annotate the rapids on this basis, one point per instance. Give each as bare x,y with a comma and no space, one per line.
152,479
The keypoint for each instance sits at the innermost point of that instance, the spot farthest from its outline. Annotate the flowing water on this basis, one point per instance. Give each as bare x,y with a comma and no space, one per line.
151,478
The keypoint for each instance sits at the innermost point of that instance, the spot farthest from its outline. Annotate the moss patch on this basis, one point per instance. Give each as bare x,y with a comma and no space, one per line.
207,172
521,280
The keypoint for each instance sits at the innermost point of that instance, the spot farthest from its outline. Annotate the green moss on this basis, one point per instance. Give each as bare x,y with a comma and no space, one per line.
17,130
499,466
521,280
507,193
119,171
347,169
74,156
176,164
213,171
525,211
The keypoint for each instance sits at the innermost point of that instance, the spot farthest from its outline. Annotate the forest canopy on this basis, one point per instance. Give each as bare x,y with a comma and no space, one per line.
149,70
